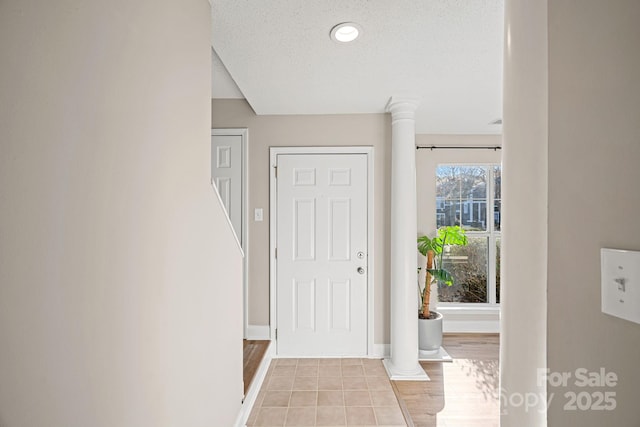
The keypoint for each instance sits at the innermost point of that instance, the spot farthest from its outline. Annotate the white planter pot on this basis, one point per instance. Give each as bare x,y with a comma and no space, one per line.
430,333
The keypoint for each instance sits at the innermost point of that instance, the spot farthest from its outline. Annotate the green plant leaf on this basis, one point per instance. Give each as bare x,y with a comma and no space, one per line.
441,275
452,235
449,235
425,244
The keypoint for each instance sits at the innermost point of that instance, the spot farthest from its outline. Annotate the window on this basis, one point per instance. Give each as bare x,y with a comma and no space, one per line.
470,196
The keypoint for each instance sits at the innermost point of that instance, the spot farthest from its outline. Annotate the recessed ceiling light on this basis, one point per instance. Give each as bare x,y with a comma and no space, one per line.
345,32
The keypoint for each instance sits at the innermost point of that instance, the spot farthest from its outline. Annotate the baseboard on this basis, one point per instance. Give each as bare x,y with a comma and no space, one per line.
381,351
258,332
254,388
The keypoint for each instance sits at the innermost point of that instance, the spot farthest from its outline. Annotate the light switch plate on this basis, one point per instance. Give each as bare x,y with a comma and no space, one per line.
257,214
620,271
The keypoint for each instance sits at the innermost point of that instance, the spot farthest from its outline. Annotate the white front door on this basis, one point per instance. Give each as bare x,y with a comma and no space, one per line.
321,273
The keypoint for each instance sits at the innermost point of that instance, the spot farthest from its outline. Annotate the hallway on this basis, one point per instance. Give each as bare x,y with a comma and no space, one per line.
342,392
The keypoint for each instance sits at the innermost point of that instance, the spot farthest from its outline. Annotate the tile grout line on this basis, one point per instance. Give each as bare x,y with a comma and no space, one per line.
343,408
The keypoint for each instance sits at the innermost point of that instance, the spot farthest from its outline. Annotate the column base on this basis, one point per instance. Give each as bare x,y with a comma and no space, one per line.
415,374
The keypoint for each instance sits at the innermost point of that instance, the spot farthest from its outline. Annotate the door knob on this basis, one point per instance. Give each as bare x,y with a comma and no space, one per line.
360,270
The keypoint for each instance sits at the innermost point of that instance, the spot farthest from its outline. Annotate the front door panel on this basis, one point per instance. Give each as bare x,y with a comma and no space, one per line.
321,255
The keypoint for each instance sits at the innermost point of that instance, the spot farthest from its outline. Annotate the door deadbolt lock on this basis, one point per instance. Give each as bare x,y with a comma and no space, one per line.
360,255
360,270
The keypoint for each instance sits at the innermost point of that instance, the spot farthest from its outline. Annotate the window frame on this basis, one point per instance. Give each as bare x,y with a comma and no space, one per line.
490,233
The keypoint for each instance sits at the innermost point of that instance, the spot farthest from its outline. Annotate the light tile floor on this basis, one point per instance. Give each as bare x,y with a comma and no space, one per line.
326,392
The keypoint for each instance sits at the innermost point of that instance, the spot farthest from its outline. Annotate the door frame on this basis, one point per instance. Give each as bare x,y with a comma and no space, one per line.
243,133
273,156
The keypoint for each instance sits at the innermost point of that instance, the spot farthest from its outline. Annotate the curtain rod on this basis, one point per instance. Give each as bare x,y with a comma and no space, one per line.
434,147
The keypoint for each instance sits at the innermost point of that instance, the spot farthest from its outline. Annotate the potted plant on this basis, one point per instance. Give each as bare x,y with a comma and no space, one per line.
430,322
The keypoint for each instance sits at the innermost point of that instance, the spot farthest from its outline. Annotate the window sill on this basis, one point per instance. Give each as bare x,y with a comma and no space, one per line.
468,311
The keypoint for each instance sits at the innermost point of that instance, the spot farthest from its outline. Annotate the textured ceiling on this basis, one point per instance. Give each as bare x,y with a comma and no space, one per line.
448,53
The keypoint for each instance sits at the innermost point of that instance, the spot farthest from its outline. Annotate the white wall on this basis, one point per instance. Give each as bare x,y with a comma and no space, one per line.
345,129
571,151
119,279
524,227
308,130
524,191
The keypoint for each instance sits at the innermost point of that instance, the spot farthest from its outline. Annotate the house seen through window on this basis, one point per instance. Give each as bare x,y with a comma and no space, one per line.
470,196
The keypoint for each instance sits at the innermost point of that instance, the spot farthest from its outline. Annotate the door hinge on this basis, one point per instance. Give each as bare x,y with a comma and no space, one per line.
276,333
276,171
276,254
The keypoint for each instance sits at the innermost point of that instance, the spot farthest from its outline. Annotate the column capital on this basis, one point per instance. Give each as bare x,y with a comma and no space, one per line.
402,108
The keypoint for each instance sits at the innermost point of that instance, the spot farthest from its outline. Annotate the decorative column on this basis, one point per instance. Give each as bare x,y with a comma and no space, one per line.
403,364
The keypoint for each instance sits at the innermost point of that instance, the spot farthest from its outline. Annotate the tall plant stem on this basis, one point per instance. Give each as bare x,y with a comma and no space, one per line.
427,286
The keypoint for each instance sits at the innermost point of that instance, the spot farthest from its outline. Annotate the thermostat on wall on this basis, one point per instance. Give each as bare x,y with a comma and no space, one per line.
620,272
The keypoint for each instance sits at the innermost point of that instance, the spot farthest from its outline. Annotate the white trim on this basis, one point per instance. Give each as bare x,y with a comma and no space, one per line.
243,133
258,332
418,374
229,224
459,319
471,326
470,320
369,151
381,351
252,392
469,310
306,356
272,244
490,233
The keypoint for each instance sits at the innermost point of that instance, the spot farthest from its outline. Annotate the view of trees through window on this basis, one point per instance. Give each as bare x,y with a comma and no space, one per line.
470,196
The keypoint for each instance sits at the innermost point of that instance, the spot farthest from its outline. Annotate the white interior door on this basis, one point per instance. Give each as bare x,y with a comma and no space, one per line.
226,173
321,279
229,174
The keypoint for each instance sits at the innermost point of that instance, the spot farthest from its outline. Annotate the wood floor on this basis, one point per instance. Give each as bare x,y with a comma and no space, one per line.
253,352
464,393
